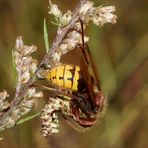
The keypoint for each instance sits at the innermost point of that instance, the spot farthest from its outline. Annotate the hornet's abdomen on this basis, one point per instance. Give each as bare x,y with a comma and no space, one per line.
65,76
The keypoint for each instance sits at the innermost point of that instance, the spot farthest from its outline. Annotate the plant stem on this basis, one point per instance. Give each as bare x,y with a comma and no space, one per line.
61,33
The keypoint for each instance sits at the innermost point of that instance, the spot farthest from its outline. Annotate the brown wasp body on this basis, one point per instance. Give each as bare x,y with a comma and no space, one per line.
80,84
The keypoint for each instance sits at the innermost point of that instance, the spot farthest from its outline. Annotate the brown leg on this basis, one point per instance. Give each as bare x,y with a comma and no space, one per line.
81,111
74,124
80,101
83,121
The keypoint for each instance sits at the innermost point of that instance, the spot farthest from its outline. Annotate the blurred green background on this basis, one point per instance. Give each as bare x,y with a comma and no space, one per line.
121,55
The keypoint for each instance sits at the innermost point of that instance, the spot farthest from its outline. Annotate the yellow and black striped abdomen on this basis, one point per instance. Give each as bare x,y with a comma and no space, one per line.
65,76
